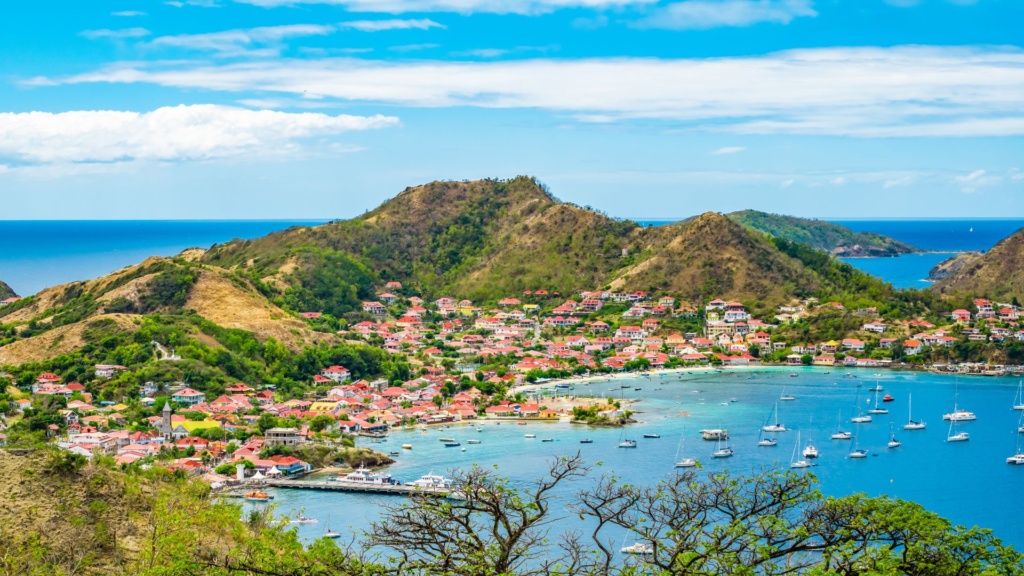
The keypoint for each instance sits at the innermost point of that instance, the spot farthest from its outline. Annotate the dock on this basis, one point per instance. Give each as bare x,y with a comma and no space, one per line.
357,487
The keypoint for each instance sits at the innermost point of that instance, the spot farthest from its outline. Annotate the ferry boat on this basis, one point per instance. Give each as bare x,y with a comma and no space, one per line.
715,434
431,481
366,476
258,496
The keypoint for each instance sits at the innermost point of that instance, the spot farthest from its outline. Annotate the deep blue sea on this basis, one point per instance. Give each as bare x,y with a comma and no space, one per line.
969,483
38,254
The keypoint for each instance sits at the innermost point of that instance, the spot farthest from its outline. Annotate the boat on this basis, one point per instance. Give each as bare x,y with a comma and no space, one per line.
957,437
794,463
652,435
304,520
586,441
394,453
431,481
858,452
787,397
529,436
521,423
452,444
876,388
861,417
473,441
887,398
446,439
258,496
366,476
328,533
1017,458
911,423
958,414
638,549
1018,400
776,427
765,442
841,434
893,442
792,375
810,451
627,444
876,409
683,462
547,440
406,446
715,434
722,451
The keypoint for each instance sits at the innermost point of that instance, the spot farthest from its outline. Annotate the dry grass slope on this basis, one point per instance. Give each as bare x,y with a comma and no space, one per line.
997,274
61,340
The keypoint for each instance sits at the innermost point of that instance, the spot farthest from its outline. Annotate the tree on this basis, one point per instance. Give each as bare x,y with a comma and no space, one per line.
320,422
493,529
266,421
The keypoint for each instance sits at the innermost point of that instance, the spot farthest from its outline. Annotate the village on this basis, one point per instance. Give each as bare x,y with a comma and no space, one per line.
474,365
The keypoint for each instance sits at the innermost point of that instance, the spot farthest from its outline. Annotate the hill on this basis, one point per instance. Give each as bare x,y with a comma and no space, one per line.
832,238
488,239
952,266
6,291
999,273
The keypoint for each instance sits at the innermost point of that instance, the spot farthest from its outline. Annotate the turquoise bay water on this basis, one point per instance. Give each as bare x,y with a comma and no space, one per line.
904,271
969,483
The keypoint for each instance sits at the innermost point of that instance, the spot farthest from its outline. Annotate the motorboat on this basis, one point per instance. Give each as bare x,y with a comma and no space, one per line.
547,440
452,444
446,439
473,441
406,446
258,496
715,434
432,481
638,549
586,441
530,436
367,476
652,435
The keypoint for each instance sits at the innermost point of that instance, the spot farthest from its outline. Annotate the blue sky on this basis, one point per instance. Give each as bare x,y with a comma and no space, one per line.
641,108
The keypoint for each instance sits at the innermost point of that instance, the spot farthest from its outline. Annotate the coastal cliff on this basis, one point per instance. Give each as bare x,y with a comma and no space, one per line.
999,273
6,291
952,266
835,239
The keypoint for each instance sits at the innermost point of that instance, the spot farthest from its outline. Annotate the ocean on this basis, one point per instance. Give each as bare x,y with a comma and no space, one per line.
968,482
38,254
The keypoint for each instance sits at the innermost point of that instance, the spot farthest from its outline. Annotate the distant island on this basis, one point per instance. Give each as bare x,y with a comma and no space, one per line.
835,239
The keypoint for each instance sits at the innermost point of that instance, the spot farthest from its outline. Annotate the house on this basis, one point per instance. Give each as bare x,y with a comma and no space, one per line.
960,316
107,370
338,374
282,437
876,327
912,347
387,297
375,308
188,397
853,344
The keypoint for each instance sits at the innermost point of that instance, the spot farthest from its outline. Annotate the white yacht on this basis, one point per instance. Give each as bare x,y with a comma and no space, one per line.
722,451
957,436
877,409
638,549
787,397
842,435
432,481
1017,458
810,452
959,416
367,476
911,423
861,419
683,462
715,434
893,442
1018,400
767,442
627,444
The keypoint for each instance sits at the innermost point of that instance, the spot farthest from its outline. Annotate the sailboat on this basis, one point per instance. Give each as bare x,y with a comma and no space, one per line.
786,397
1017,458
765,442
893,442
959,436
1018,400
683,462
794,463
776,427
876,409
861,417
328,533
625,442
721,451
911,423
858,452
958,415
840,434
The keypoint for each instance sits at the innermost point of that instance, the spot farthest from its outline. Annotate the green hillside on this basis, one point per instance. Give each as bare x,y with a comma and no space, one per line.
832,238
488,239
6,291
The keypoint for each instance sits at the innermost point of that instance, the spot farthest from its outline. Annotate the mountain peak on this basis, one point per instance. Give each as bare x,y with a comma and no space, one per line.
6,291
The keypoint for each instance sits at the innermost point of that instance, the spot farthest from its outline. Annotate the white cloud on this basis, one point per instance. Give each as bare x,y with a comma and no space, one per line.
704,14
264,41
530,7
973,182
381,25
499,52
729,150
128,13
120,34
786,183
864,92
413,47
198,132
838,181
899,181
